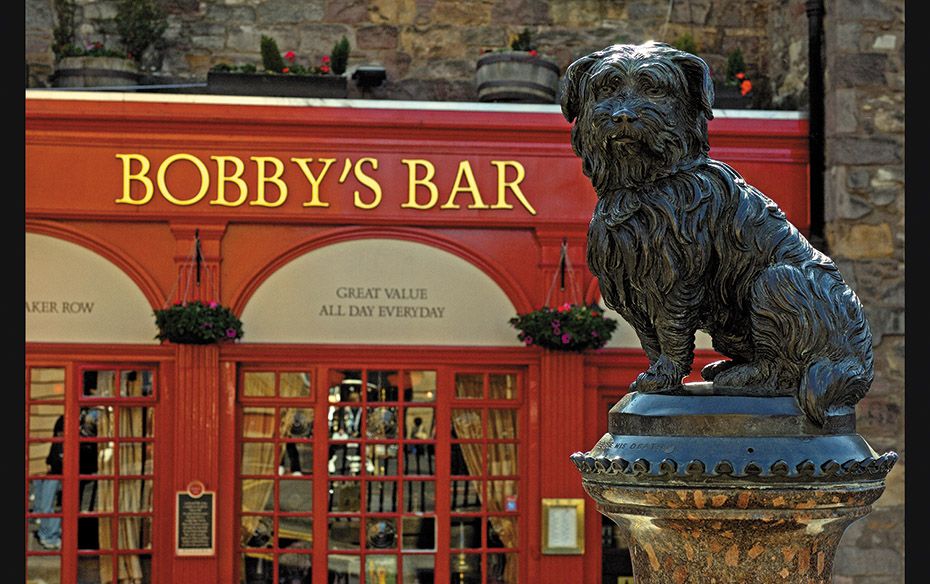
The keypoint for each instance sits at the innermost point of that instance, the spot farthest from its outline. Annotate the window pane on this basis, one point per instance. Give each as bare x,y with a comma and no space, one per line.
295,496
502,423
46,458
465,568
382,460
345,422
256,568
297,458
502,386
381,534
294,568
258,458
422,386
95,421
44,498
136,383
503,494
345,496
297,423
345,385
135,533
466,459
344,533
502,459
419,568
502,532
99,383
44,418
258,384
420,459
257,422
135,496
469,385
344,569
466,423
381,497
503,568
257,532
382,423
137,422
419,496
345,459
294,384
419,424
47,383
295,533
466,495
97,496
43,569
257,495
381,568
419,533
465,532
382,386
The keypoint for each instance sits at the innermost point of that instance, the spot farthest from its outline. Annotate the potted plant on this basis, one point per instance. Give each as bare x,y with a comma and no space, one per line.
518,74
282,75
570,327
197,323
735,91
140,24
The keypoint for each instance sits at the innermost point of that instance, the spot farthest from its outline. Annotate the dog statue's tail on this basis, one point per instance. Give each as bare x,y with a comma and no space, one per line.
828,386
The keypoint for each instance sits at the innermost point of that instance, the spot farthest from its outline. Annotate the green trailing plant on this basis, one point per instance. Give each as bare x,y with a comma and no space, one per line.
736,64
340,56
141,24
570,327
522,41
197,323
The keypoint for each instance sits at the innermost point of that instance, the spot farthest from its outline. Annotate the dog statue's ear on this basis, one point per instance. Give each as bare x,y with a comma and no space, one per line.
700,85
569,85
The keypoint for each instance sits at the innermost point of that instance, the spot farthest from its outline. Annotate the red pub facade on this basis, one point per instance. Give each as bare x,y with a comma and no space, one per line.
378,422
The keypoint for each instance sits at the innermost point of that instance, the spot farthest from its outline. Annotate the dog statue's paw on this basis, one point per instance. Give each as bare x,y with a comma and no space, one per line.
711,370
743,375
662,375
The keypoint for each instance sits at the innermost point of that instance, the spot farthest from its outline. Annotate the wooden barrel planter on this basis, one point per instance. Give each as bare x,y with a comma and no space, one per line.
96,72
516,76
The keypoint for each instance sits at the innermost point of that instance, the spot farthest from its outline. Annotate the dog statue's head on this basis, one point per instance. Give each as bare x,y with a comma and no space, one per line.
640,112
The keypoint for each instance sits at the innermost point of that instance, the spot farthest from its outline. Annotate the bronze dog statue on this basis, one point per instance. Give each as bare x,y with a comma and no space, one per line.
680,242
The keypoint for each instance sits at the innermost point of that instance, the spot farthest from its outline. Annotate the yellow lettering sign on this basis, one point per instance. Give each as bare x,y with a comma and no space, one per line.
163,171
503,184
275,178
472,187
140,176
413,182
314,180
368,182
222,179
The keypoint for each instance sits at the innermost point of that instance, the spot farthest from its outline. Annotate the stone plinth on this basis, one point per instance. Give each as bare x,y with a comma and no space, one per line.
730,489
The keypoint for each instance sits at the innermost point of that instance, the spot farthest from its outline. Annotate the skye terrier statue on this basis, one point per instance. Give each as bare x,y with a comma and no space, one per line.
680,242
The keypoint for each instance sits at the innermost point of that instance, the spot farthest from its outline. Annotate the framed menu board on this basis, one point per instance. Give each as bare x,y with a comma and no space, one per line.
195,521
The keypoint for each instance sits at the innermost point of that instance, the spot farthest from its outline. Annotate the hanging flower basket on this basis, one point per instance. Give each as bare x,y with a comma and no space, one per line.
570,327
197,323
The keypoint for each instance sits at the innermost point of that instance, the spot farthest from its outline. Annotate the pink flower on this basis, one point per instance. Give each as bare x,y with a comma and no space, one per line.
565,307
534,52
324,69
566,338
326,58
231,333
290,56
528,340
213,304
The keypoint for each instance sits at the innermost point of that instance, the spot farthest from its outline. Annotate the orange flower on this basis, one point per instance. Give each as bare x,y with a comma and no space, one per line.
740,75
745,87
286,70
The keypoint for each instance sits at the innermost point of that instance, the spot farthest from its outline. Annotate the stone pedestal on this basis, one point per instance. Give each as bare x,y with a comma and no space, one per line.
730,489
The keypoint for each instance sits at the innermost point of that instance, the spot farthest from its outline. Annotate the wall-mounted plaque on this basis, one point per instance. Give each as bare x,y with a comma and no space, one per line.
195,521
563,526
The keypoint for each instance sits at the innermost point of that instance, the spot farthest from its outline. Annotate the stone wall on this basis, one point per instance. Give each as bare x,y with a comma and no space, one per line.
864,42
429,48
